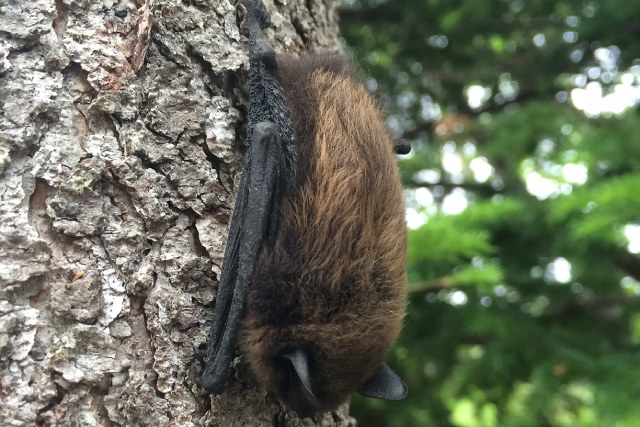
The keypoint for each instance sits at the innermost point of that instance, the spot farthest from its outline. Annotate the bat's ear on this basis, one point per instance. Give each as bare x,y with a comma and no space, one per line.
299,394
384,384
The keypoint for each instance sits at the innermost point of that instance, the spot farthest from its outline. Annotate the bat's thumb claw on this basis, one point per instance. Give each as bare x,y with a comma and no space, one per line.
211,381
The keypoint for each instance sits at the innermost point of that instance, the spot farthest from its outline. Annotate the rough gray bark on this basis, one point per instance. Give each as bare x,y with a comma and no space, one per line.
120,128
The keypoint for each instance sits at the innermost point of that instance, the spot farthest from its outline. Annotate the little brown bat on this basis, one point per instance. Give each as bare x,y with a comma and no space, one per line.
313,277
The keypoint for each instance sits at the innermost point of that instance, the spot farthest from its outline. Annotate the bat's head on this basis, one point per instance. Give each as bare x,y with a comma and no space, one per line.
316,367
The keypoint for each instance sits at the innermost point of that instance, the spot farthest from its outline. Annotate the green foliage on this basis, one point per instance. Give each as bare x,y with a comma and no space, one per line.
523,194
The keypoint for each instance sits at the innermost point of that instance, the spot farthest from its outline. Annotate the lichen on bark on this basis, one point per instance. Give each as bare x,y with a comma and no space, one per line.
121,133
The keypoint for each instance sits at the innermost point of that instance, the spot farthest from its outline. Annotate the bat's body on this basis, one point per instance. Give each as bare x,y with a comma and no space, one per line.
313,280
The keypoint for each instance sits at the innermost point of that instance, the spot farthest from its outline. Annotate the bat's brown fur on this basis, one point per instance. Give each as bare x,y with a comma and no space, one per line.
334,281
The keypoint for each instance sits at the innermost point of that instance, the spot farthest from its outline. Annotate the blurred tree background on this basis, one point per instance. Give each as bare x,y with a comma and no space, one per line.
523,197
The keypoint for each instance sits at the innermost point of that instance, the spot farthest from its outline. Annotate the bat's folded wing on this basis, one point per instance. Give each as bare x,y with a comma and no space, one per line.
252,218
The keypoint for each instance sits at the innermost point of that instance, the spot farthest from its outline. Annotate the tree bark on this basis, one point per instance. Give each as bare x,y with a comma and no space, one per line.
121,130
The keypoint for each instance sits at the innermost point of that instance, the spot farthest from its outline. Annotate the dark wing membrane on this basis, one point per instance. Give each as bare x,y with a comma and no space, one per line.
253,215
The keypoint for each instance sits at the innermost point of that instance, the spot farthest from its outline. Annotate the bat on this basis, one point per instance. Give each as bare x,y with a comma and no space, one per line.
313,281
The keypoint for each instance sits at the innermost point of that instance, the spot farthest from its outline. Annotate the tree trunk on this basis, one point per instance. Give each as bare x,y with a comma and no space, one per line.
121,124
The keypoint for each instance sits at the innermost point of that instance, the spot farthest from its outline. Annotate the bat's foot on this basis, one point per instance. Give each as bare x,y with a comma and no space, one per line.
265,54
257,11
401,147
